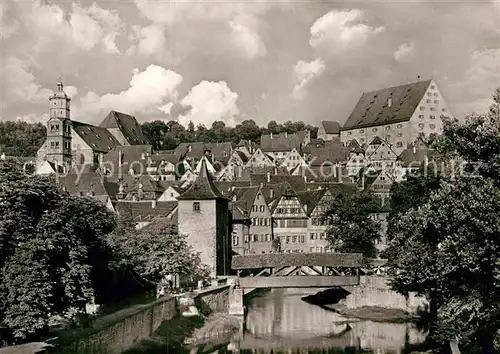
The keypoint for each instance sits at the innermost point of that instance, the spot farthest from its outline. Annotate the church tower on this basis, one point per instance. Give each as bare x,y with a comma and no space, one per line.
58,142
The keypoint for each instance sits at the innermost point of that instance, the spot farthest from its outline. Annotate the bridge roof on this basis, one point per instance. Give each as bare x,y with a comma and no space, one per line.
278,260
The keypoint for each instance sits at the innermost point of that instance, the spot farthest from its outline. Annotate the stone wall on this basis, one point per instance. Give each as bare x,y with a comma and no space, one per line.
374,291
126,330
213,300
122,330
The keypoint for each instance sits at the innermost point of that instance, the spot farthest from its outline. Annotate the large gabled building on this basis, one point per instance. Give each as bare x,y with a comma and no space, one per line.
71,143
399,115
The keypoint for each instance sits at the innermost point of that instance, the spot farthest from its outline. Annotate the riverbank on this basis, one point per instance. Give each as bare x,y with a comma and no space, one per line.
331,300
371,313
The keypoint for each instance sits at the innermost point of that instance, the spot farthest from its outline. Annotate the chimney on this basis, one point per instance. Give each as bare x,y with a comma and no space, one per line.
271,193
414,148
153,203
261,184
268,177
286,134
271,135
143,156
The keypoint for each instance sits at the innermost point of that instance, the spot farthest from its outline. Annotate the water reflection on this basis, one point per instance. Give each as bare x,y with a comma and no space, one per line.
280,321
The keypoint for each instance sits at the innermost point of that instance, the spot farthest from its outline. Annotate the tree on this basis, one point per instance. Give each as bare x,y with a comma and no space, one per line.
21,138
157,251
351,227
445,243
53,256
155,132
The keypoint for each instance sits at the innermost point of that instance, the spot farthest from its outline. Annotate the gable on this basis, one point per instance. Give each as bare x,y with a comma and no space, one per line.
289,207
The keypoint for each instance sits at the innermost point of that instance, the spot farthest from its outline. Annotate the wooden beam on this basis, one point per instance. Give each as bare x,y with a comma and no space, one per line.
298,281
278,260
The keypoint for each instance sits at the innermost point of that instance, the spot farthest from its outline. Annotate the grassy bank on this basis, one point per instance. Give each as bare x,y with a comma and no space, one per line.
370,313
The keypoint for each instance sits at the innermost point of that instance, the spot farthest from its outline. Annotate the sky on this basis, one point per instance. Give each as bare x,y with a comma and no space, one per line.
201,61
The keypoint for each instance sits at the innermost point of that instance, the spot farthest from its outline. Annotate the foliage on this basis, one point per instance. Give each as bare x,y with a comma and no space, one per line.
53,254
167,135
158,251
351,227
21,138
276,244
445,243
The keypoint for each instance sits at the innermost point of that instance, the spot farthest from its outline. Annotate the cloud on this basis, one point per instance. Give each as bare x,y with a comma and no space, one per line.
474,92
85,29
8,26
210,101
150,40
246,37
304,72
16,76
404,52
148,92
341,30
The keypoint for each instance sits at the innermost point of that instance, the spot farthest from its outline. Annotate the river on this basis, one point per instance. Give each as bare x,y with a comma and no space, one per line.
279,321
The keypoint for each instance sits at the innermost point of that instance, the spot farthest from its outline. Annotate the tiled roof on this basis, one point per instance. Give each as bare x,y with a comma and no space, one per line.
302,135
373,109
172,158
245,197
279,260
238,213
296,182
219,150
144,211
242,156
84,183
149,185
354,147
331,127
128,126
412,158
226,187
280,142
133,156
310,199
99,139
203,187
328,156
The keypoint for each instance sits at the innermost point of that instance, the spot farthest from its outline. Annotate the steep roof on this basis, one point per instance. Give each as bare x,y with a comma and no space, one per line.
376,141
413,158
302,135
133,157
372,108
144,211
245,197
84,183
98,138
310,199
331,127
354,147
242,156
279,143
203,187
332,155
128,126
219,150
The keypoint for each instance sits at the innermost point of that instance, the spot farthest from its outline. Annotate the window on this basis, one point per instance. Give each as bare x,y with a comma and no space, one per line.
301,238
432,87
443,110
400,135
436,101
361,131
421,116
432,109
294,239
388,128
261,208
362,140
374,130
429,93
246,238
349,133
433,126
322,236
432,117
312,234
421,126
400,126
235,240
399,144
422,108
196,206
428,101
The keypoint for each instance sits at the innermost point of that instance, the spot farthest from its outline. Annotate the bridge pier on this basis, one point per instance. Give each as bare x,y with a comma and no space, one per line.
236,307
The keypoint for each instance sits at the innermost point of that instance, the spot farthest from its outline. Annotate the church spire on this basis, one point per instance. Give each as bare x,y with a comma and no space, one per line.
203,187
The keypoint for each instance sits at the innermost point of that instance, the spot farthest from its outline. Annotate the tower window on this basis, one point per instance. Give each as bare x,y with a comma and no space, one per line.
196,206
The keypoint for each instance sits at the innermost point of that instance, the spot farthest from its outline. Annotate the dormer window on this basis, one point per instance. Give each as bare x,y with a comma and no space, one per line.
196,206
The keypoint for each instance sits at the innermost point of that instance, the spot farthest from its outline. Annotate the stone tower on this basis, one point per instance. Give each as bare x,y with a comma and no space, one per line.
58,143
204,217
